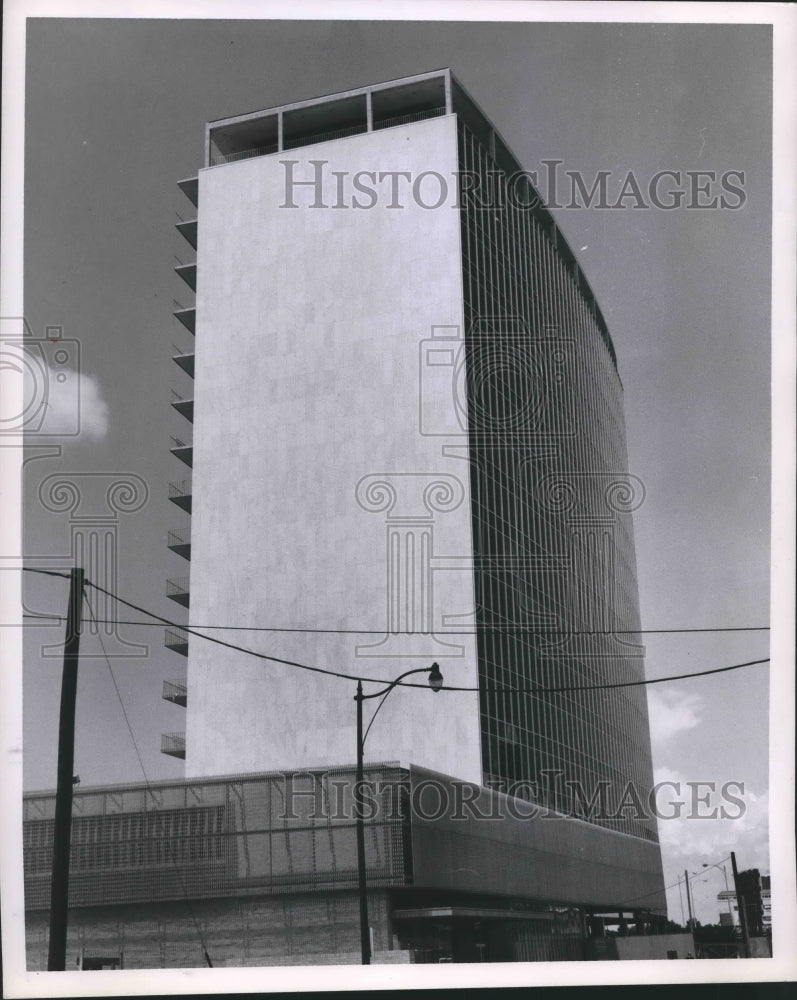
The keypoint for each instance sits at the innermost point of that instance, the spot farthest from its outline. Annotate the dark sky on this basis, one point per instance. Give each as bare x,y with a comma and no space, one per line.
115,111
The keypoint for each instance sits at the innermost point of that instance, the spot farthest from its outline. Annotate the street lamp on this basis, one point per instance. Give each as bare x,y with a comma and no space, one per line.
725,873
435,683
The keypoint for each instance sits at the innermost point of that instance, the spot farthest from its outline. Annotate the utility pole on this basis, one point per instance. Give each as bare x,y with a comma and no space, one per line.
362,890
742,907
689,901
59,891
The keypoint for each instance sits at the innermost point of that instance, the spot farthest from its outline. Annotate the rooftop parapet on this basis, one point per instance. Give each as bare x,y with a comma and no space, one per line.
352,112
369,109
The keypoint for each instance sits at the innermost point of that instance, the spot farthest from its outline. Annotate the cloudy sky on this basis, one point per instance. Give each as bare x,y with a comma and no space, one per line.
115,111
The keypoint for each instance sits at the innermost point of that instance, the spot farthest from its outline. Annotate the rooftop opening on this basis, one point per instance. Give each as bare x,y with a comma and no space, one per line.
337,116
320,122
239,141
408,102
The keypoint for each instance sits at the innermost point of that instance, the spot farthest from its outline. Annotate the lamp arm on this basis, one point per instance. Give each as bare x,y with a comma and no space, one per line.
718,864
385,693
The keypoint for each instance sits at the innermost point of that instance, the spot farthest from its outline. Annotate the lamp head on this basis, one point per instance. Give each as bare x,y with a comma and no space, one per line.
435,677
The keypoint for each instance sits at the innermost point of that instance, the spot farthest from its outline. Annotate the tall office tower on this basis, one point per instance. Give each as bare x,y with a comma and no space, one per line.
408,447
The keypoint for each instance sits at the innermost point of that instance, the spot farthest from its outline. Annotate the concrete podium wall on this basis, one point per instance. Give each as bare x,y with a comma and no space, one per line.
652,946
251,931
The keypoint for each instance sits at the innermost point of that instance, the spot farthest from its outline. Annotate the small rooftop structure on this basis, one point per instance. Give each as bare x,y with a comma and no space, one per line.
335,116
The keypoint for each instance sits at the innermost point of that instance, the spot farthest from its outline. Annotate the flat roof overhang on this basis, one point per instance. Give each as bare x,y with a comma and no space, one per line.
487,843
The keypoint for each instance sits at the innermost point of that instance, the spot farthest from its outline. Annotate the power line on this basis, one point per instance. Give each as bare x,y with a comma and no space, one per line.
382,631
653,892
716,864
509,627
448,687
670,886
620,684
166,840
44,572
230,645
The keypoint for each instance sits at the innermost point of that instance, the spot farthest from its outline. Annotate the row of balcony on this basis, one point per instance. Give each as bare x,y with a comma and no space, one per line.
180,494
188,230
187,317
184,359
179,539
188,273
183,451
176,692
177,590
173,744
185,407
176,639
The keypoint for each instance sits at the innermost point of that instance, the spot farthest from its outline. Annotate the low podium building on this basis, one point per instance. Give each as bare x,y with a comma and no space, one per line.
261,869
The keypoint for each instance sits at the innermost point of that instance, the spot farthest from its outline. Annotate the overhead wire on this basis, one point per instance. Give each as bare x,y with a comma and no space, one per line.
536,690
166,840
340,674
672,885
443,632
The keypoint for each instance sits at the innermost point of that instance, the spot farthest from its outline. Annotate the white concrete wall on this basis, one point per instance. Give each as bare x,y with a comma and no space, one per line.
309,324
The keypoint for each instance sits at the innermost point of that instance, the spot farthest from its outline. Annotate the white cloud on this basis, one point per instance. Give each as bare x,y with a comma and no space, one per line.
65,403
93,410
702,835
672,712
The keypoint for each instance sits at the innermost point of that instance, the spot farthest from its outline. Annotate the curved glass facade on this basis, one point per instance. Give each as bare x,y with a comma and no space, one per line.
555,570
